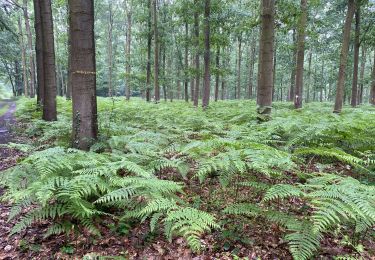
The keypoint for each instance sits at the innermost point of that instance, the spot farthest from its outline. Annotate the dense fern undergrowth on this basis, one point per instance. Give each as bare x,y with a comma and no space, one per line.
191,172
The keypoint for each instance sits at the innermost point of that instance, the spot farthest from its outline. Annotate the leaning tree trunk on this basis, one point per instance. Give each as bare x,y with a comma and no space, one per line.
30,47
298,95
354,101
266,49
39,52
82,52
49,65
339,100
156,54
207,50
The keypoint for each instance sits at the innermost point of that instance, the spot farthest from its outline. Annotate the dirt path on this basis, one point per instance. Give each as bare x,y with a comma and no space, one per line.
6,120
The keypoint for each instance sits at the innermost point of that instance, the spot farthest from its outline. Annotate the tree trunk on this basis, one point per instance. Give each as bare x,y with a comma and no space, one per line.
128,51
49,65
362,74
354,101
274,70
239,61
251,67
156,53
69,72
23,54
39,52
110,51
196,40
309,78
372,91
207,56
30,46
186,80
149,40
344,57
162,49
298,95
293,75
217,73
266,49
82,52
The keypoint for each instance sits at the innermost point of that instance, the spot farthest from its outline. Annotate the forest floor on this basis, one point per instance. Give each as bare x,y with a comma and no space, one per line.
239,238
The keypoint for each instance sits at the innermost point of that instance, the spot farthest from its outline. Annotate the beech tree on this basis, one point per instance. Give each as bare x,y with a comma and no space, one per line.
82,55
298,95
266,52
339,100
49,66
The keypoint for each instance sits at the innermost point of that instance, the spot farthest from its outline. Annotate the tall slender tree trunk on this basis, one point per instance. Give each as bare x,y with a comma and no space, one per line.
293,74
186,80
149,40
354,100
251,67
372,91
207,56
274,70
339,100
362,75
162,49
156,53
128,50
39,52
82,52
110,50
309,78
197,51
217,73
49,64
192,79
266,49
239,63
30,47
69,72
23,54
298,97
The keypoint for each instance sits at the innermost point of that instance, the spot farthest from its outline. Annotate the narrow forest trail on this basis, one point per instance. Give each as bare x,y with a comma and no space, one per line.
6,120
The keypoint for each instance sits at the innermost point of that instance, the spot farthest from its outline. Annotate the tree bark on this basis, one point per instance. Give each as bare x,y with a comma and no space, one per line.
362,75
372,91
39,52
251,67
309,78
30,47
156,54
298,97
339,100
354,100
186,79
149,40
69,72
237,95
207,56
82,52
217,73
293,74
266,49
49,65
110,50
128,50
23,54
196,40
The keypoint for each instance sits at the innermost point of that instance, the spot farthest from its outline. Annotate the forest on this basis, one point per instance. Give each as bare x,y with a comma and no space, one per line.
187,129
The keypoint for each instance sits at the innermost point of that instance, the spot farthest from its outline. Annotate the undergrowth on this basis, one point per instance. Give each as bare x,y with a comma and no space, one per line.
308,171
